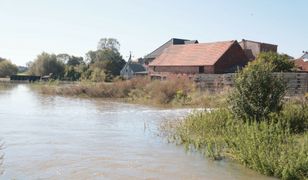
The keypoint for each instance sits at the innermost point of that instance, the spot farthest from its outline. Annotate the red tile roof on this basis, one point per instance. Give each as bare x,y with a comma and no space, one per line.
203,54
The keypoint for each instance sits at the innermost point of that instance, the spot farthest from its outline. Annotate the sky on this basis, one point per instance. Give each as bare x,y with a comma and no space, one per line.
30,27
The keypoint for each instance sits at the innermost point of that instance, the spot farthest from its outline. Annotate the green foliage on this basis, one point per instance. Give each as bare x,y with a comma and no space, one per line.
109,61
98,75
280,62
108,44
74,61
72,73
295,115
257,91
46,64
7,68
268,147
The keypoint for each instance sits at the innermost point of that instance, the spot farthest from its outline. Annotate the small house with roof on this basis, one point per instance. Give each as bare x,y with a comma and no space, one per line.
132,69
202,58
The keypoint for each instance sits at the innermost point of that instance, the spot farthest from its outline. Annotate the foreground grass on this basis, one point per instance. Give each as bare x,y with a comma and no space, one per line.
175,93
275,147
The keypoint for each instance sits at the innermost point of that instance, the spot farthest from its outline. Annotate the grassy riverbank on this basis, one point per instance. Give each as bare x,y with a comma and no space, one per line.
174,93
259,128
276,147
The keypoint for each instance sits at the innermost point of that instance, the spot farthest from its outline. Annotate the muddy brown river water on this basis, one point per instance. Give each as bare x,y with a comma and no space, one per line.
53,137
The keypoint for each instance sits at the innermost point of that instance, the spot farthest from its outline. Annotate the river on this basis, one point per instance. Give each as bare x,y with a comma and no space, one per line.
53,137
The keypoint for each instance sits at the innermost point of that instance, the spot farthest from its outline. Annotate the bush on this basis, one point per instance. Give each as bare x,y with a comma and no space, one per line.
280,62
257,92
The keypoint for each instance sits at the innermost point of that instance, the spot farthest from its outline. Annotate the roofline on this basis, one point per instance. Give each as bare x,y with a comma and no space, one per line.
232,43
258,42
172,39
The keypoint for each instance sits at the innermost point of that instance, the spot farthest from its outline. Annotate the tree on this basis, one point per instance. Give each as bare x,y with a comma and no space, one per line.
98,75
7,68
108,43
70,60
111,62
280,62
46,64
74,61
72,73
257,91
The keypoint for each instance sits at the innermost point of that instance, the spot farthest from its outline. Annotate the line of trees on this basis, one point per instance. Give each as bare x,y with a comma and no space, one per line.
7,68
103,64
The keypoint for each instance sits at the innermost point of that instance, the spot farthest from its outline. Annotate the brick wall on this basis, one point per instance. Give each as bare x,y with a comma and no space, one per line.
181,69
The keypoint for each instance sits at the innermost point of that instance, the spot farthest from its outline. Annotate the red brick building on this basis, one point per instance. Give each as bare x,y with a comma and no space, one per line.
208,58
302,63
253,48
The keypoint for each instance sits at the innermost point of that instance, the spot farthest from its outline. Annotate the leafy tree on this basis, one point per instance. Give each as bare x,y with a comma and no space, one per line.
74,61
46,64
7,68
111,62
257,91
70,60
108,44
280,62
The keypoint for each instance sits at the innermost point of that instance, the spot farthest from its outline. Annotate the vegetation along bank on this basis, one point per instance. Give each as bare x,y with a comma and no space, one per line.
258,128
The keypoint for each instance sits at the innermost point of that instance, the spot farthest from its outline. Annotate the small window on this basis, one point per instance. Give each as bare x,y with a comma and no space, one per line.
201,69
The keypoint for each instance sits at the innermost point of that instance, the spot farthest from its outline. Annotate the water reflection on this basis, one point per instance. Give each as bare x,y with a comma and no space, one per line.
70,138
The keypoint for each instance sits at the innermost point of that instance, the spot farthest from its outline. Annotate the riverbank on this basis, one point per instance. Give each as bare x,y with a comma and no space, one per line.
274,147
171,93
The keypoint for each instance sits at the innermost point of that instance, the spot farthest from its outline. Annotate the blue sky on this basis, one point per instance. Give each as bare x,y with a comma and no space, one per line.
75,26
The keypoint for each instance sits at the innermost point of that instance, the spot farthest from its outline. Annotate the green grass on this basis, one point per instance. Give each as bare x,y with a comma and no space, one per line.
270,147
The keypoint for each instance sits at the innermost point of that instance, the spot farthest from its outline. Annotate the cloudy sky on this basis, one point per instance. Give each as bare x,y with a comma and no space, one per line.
75,26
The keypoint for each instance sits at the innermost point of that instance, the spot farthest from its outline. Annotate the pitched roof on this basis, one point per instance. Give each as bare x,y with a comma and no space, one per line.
173,41
305,56
136,67
193,54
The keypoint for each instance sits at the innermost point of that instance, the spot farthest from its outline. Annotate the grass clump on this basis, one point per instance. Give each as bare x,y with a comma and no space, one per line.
270,147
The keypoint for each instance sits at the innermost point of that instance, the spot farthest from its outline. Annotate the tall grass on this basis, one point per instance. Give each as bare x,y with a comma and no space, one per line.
272,147
174,92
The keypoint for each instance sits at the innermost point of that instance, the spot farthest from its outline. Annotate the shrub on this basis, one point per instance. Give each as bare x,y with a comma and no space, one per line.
280,62
257,91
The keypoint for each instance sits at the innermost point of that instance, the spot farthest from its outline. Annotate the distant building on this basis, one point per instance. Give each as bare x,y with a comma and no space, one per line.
132,69
253,48
174,41
302,63
203,58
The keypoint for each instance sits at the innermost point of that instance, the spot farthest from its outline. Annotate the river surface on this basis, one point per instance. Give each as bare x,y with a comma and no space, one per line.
53,137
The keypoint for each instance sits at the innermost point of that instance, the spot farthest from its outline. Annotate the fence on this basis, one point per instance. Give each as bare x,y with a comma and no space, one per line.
297,82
